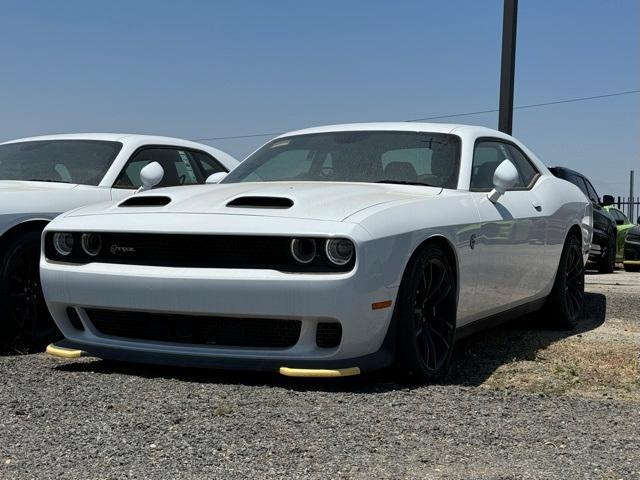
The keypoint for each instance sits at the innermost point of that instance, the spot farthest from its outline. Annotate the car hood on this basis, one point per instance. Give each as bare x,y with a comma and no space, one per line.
305,200
21,197
12,186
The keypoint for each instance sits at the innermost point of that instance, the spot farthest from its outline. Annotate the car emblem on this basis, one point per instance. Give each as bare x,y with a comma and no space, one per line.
472,241
120,250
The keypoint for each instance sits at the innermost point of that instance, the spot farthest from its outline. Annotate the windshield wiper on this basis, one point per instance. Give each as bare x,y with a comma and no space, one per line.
405,182
44,180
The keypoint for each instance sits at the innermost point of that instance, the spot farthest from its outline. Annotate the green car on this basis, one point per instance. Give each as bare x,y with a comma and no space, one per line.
623,226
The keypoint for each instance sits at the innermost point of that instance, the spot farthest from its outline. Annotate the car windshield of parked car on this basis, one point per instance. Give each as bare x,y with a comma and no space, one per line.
414,158
61,161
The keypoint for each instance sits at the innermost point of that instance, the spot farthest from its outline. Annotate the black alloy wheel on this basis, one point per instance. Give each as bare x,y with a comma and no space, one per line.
25,322
564,306
607,263
427,315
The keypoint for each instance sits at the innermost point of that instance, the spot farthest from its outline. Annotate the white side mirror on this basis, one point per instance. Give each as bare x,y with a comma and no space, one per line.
216,177
150,176
504,178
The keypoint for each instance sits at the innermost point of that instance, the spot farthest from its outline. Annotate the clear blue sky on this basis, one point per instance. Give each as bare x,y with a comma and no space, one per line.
200,69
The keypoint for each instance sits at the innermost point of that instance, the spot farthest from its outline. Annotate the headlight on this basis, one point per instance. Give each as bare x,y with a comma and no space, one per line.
63,243
303,249
339,250
91,243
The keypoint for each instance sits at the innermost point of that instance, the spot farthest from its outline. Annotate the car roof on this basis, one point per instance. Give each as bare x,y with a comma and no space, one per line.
110,137
565,169
401,126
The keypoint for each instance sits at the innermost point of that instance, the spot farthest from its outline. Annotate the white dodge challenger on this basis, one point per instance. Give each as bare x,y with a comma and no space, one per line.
328,252
41,177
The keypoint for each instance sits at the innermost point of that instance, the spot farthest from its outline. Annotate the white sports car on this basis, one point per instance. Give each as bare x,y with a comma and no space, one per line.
328,252
41,177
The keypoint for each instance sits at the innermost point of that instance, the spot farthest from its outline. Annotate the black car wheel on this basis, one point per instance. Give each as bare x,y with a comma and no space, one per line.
427,316
25,322
607,261
564,306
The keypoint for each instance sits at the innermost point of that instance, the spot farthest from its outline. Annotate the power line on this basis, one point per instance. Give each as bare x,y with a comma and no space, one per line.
532,105
451,115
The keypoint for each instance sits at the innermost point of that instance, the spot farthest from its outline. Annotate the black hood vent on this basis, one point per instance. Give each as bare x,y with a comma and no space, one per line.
146,201
261,202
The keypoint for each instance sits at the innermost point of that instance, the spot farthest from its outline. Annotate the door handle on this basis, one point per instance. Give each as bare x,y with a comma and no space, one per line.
536,205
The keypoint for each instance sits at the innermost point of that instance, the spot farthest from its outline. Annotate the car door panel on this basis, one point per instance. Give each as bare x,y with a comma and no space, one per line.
511,246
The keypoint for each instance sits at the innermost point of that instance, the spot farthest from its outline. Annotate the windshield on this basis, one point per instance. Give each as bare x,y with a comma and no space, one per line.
413,158
64,161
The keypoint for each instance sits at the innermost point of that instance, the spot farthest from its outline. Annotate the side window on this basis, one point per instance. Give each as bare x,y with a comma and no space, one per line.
487,155
527,171
208,164
593,195
178,168
578,182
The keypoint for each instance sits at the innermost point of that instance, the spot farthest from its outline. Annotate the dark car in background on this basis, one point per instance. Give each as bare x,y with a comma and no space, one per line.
603,247
632,249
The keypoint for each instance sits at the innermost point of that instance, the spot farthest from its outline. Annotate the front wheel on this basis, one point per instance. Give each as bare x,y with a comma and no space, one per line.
564,306
427,316
607,263
24,318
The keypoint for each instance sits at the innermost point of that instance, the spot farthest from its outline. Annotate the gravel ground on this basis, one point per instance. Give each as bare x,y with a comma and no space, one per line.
89,419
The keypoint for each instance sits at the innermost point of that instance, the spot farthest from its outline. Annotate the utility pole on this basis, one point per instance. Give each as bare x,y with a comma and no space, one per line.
631,217
508,65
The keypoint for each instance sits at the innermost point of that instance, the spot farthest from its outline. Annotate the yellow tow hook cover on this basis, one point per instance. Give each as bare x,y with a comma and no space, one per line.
63,352
318,372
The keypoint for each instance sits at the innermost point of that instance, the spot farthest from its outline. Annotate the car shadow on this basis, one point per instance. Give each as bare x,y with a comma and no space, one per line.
478,356
474,360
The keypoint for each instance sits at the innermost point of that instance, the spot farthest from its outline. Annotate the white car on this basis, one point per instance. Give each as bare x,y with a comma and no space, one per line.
328,252
41,177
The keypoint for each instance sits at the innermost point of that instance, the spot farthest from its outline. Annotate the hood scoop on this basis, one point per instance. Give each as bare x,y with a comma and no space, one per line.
261,202
146,201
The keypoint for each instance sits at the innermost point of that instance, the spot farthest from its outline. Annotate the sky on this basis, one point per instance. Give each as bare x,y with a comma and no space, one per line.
207,69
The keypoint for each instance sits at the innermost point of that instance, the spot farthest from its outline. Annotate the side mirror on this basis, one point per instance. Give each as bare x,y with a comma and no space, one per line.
150,176
619,221
504,178
607,200
216,177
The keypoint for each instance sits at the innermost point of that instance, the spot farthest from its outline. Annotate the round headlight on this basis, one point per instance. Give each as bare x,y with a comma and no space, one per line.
91,243
63,243
303,249
339,250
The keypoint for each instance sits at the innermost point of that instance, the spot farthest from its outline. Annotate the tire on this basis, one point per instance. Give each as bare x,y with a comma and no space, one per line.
564,306
607,262
25,322
426,316
632,268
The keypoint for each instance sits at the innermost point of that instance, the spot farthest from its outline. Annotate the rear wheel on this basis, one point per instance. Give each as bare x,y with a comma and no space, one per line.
607,261
427,316
564,307
632,268
25,322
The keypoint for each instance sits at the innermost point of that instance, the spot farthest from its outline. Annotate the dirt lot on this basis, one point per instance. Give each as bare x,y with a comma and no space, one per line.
521,402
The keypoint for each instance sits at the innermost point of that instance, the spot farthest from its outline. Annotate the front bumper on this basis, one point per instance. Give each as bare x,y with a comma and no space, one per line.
346,298
632,252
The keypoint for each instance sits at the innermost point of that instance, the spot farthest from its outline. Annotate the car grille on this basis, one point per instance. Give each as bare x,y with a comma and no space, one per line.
197,251
199,330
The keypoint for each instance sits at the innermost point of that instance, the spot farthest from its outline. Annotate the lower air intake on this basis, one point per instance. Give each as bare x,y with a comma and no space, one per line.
198,330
